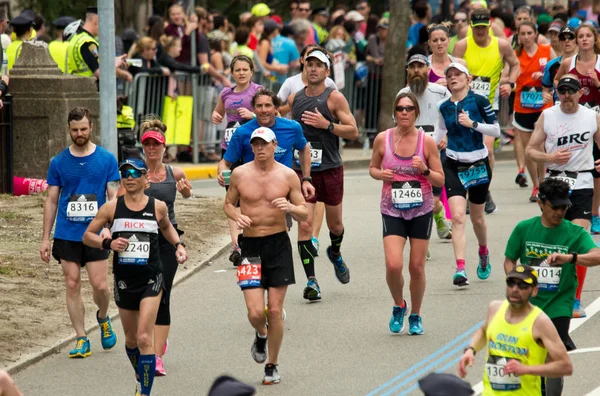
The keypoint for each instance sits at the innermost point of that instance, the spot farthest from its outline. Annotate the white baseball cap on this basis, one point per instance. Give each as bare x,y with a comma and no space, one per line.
458,66
320,56
263,133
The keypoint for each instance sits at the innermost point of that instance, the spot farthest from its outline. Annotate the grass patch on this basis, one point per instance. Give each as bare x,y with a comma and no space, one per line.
9,215
6,271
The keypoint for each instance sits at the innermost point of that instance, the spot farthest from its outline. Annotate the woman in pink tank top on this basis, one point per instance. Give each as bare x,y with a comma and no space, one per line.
439,37
408,163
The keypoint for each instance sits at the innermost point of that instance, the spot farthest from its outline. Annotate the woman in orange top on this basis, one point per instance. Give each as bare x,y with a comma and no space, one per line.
529,102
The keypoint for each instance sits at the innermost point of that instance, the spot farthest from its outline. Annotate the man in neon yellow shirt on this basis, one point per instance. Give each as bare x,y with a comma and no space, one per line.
522,342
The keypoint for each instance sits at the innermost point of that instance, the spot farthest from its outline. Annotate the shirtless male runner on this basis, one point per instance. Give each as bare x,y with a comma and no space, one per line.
267,191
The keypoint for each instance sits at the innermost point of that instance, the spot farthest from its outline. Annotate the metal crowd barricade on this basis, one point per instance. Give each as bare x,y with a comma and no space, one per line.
146,95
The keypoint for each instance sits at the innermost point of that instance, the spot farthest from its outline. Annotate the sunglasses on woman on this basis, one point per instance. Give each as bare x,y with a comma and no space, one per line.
135,173
520,284
408,109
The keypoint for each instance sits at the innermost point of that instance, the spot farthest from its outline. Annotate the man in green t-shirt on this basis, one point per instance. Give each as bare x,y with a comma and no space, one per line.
553,245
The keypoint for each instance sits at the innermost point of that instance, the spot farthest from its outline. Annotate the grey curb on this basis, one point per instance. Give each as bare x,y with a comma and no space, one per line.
22,365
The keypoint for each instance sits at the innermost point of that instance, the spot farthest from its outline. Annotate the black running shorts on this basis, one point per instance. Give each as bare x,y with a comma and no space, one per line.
581,201
454,187
129,297
418,227
277,260
77,252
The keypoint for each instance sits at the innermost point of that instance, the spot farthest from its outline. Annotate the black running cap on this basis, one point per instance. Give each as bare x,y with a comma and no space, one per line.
569,82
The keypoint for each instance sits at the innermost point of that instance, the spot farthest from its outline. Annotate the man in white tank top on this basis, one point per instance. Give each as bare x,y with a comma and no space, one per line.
429,95
563,139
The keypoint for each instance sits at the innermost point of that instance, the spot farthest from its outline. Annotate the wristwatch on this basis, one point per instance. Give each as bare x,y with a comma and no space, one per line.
179,243
574,259
307,178
330,127
475,125
471,348
426,172
512,84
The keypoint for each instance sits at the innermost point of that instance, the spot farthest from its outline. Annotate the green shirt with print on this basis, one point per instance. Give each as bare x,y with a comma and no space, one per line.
531,242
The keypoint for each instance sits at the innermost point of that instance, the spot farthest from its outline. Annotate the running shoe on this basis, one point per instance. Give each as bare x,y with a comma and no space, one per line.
460,278
397,319
484,268
490,206
578,311
166,347
444,227
534,195
82,350
160,368
595,225
315,243
521,179
108,337
415,325
138,389
271,375
497,145
259,349
236,256
341,271
283,313
312,291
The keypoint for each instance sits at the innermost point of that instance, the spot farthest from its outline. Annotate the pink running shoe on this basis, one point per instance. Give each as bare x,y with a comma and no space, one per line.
160,368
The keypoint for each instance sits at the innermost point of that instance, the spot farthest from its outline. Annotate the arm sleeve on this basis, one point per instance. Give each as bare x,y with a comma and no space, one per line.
513,246
440,130
53,178
89,53
489,129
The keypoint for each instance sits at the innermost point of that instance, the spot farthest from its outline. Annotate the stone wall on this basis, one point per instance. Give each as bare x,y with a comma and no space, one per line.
42,99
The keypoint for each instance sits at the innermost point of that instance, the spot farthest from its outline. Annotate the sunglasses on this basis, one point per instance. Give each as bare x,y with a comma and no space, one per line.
408,109
460,20
566,38
563,91
556,207
135,173
511,282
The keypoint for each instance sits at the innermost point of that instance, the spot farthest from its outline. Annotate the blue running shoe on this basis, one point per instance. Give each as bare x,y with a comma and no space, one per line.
312,291
595,225
107,334
315,243
460,278
82,350
484,269
578,311
415,325
397,319
341,271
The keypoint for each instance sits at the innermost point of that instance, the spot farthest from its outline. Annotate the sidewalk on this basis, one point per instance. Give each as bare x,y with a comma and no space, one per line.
352,158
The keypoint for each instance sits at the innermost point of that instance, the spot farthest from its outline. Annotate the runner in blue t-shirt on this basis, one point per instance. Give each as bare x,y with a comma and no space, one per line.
79,180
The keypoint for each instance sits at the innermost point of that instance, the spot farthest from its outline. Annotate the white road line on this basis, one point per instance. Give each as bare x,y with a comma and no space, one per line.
595,392
584,350
590,310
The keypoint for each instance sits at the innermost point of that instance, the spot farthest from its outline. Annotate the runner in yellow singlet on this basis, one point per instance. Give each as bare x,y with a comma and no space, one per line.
522,343
486,56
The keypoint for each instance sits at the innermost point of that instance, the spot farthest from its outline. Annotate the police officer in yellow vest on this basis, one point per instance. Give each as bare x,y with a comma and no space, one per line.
522,342
22,26
83,47
58,48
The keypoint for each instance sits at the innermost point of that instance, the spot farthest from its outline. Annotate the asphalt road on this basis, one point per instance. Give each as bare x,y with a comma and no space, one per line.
342,345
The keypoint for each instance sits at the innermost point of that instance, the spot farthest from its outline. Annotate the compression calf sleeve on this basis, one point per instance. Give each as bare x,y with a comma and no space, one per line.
336,242
581,272
307,256
134,355
146,371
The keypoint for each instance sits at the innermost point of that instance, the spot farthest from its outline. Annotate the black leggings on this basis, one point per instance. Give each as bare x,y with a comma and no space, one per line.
169,265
